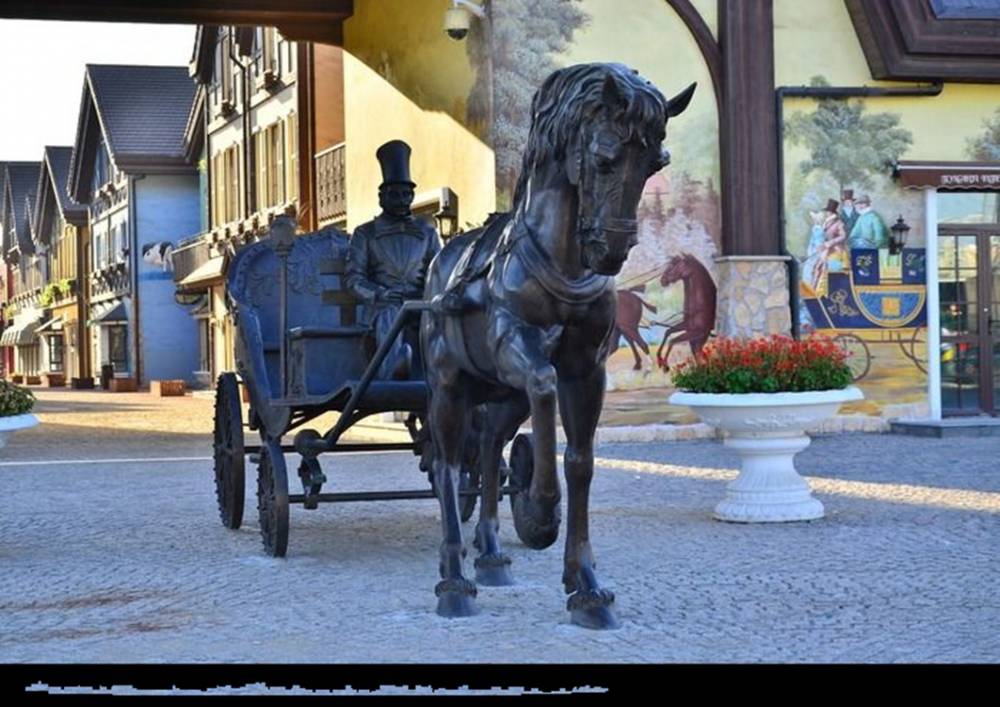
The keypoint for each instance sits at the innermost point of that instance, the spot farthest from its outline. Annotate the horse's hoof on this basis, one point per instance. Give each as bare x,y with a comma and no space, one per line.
593,609
456,598
537,525
494,571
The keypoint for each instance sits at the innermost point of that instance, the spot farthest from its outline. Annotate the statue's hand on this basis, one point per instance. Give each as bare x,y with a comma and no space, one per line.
391,296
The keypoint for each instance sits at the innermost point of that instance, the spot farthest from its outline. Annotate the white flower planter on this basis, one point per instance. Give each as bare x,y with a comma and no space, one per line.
767,430
12,423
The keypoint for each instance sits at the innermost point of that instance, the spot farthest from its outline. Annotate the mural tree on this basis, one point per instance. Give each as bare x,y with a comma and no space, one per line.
845,142
986,147
527,35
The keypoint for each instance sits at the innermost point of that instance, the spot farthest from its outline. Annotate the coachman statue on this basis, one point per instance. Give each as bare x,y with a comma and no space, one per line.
389,257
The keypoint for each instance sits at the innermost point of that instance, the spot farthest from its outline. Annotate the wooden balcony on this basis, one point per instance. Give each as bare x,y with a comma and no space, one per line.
331,185
189,255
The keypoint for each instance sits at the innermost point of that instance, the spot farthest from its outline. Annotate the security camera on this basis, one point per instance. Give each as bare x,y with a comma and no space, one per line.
456,23
458,18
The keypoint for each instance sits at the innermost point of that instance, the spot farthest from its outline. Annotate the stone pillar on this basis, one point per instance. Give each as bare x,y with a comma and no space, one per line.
753,296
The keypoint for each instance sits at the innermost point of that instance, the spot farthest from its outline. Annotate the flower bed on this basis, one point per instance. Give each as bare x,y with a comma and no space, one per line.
776,364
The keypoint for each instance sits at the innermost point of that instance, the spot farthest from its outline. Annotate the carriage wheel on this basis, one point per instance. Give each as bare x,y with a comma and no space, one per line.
537,533
272,499
918,340
859,358
230,478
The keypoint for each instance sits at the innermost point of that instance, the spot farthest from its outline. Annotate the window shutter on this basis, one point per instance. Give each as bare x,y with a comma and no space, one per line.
279,134
292,140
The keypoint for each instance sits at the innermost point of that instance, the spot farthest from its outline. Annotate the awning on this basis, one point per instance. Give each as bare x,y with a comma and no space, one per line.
54,324
966,176
22,334
205,274
110,314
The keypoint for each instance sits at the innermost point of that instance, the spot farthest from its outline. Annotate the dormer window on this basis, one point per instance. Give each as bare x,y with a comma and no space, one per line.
223,99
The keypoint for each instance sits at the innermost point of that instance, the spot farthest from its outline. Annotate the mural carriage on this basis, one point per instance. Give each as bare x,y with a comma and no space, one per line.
304,349
881,300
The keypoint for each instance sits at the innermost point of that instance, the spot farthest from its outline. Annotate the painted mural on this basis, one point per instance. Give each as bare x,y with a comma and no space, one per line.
666,290
841,204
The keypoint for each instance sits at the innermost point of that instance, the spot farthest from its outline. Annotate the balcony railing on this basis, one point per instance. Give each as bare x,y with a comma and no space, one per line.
189,255
331,185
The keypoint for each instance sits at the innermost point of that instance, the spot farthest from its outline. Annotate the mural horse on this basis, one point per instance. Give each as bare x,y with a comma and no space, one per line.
534,322
698,318
628,318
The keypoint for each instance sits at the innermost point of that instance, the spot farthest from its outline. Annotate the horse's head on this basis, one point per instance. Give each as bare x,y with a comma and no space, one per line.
606,124
678,267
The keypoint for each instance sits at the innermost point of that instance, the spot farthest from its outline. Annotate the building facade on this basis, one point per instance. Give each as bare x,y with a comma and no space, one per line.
60,237
268,139
24,311
130,166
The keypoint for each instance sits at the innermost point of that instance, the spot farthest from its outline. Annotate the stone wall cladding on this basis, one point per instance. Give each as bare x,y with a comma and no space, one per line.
753,297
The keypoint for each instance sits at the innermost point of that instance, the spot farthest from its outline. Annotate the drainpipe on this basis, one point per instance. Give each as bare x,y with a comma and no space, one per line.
837,92
133,262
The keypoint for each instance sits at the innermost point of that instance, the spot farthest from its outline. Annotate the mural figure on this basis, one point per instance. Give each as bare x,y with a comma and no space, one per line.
628,318
848,214
870,230
814,266
834,239
158,254
698,317
389,257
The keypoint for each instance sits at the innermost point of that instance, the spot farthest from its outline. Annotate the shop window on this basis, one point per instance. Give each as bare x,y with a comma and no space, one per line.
56,354
204,344
117,348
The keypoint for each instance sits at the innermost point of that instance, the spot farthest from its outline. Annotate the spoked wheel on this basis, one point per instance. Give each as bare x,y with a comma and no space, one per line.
537,528
230,477
859,358
918,346
272,499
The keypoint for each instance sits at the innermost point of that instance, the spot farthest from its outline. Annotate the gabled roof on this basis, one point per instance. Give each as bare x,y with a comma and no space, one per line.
19,190
139,111
194,130
52,184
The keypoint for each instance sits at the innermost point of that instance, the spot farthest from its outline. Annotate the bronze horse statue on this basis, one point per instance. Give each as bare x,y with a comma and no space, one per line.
534,323
627,321
699,306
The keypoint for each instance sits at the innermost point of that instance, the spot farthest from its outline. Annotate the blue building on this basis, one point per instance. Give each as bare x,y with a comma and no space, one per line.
130,165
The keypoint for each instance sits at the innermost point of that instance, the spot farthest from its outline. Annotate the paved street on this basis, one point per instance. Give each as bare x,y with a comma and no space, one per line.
126,561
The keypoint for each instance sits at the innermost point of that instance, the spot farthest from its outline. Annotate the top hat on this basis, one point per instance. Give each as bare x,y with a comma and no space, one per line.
394,158
847,194
864,199
831,205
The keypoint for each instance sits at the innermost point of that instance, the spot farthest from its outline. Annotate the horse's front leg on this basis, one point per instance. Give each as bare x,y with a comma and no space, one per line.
580,401
661,360
523,362
447,419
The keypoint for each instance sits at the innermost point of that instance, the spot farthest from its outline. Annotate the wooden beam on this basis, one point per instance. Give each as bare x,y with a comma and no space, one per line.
748,129
306,20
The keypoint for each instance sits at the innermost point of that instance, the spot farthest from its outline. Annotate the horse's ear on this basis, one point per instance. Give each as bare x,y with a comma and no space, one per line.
677,104
611,94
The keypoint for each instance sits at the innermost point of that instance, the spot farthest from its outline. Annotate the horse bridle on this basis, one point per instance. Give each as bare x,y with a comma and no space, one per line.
591,229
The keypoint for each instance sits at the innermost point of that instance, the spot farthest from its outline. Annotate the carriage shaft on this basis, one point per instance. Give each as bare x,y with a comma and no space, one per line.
347,497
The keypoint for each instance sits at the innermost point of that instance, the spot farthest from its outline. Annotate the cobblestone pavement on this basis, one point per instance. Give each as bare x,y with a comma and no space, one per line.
127,561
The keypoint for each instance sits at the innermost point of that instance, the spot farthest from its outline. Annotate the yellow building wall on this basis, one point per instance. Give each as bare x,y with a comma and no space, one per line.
405,79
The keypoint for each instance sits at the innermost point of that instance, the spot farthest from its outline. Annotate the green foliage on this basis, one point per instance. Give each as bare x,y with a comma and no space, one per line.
986,147
845,142
15,400
776,364
48,295
65,286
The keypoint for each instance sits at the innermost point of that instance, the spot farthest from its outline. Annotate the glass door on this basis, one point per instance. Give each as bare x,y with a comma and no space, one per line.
969,291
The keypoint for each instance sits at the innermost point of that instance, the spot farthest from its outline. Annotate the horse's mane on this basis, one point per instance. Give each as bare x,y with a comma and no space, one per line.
571,96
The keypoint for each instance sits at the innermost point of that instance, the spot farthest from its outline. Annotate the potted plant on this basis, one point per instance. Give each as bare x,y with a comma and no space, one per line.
764,393
15,410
